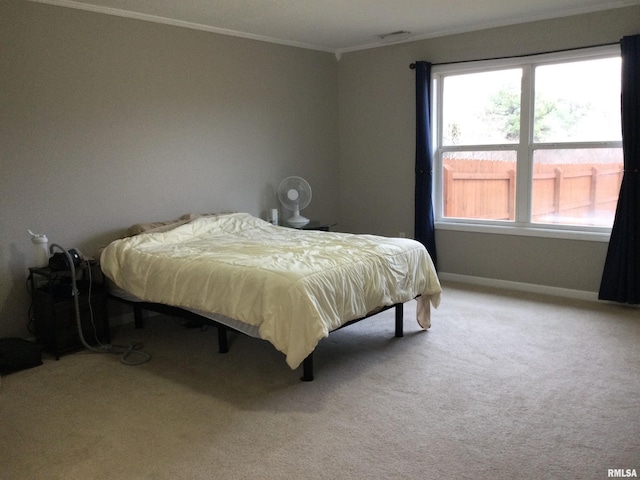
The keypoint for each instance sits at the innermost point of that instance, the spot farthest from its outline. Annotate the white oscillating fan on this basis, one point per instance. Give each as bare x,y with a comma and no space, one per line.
294,194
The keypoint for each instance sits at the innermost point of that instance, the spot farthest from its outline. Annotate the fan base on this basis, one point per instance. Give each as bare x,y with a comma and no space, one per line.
297,221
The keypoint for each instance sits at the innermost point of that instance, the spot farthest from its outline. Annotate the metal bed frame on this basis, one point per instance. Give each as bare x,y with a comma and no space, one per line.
223,344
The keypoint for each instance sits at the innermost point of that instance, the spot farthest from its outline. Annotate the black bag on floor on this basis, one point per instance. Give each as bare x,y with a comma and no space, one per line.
18,354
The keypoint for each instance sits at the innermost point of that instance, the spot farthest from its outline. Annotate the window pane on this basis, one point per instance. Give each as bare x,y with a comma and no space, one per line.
479,185
578,101
576,186
482,108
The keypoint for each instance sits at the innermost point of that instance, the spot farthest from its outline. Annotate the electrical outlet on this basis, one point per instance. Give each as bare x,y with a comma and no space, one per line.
401,235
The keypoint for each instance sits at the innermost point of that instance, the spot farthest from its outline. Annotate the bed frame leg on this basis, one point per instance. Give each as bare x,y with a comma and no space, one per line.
223,344
137,316
307,369
399,320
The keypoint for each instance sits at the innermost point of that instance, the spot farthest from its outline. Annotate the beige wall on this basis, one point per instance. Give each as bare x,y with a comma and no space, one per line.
377,144
107,121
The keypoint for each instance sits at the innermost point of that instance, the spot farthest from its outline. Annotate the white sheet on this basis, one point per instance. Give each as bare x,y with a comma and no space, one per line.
294,286
245,328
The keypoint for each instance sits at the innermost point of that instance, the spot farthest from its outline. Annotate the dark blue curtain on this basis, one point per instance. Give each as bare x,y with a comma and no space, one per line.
621,275
424,222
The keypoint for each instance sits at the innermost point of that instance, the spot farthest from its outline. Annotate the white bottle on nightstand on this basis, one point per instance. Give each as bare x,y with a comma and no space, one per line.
41,249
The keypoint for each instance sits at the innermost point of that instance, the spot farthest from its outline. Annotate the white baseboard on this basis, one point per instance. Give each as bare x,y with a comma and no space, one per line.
522,287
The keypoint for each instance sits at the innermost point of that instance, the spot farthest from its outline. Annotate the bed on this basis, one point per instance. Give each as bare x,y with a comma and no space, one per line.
289,287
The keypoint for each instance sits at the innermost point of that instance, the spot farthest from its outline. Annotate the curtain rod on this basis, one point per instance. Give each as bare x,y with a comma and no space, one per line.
412,66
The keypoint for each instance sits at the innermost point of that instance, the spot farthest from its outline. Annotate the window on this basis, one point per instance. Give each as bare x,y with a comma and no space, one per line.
533,142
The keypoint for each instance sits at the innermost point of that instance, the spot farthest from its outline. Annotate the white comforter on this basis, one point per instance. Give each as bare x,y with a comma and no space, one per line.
294,286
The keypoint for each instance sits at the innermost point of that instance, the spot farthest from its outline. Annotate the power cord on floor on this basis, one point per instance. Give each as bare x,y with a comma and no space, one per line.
128,352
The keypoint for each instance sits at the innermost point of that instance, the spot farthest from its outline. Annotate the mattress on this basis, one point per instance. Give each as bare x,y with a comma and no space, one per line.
292,286
245,328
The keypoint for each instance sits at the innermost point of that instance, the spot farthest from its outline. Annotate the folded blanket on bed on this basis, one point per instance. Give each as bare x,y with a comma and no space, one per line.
295,286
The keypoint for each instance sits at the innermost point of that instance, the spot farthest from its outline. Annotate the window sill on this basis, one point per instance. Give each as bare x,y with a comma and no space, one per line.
589,236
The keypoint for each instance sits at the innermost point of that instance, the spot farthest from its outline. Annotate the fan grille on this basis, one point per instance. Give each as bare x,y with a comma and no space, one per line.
294,192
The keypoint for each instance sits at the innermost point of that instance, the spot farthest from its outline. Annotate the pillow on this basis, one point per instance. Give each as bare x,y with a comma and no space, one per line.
159,227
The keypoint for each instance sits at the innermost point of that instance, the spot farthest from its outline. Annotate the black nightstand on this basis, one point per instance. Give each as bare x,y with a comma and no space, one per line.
314,225
54,311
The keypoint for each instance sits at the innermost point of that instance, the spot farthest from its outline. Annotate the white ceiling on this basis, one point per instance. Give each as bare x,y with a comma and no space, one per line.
341,25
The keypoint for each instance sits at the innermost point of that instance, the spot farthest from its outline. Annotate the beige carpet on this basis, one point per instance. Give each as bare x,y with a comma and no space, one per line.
504,386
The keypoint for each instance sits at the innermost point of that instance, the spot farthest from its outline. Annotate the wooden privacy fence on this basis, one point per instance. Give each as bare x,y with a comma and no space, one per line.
486,189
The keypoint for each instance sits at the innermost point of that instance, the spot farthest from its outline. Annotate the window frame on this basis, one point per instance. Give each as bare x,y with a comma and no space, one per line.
522,225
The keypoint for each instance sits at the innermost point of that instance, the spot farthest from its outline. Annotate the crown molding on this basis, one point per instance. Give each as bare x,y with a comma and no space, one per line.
179,23
338,52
